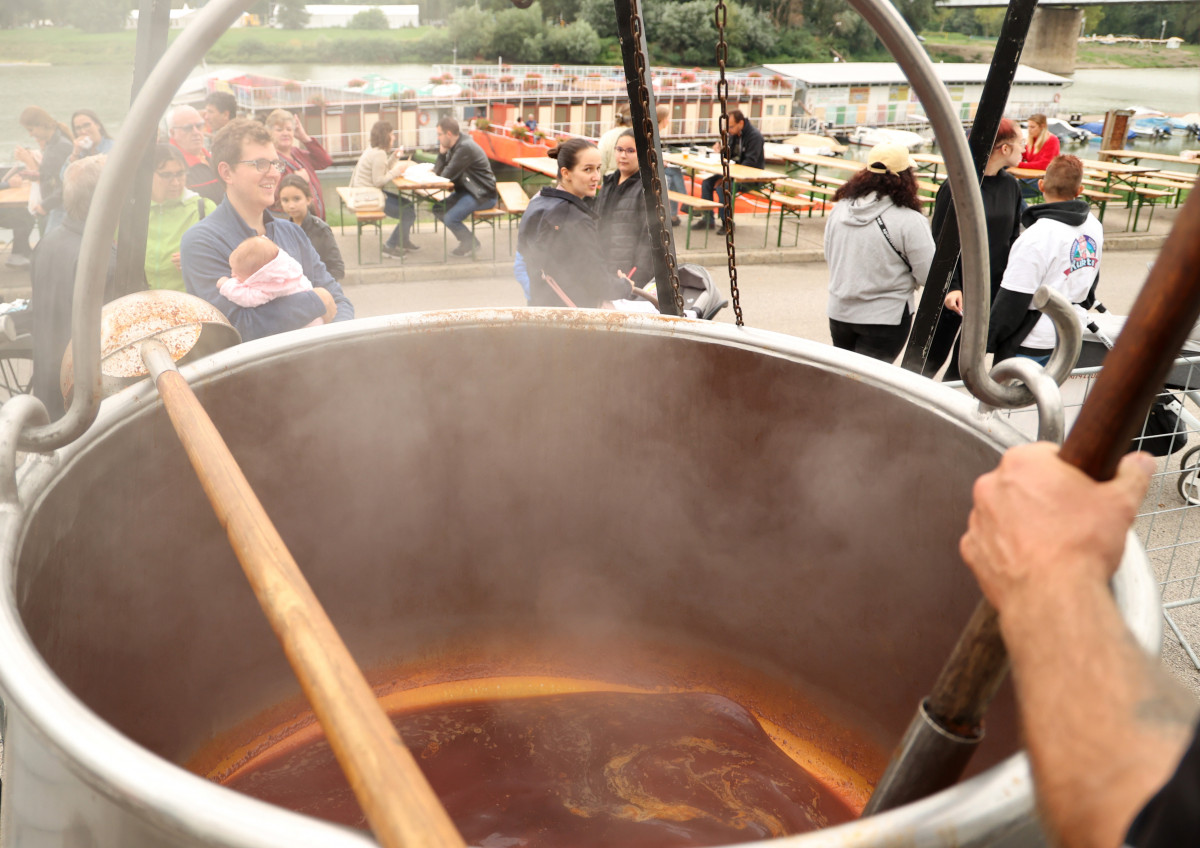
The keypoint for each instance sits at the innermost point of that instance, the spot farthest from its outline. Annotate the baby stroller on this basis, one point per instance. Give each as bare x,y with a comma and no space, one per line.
1169,422
701,298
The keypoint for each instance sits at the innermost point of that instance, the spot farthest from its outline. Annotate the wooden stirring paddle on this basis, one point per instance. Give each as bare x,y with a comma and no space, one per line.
399,803
942,736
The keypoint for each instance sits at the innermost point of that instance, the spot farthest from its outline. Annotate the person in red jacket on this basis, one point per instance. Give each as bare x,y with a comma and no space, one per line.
1041,146
286,129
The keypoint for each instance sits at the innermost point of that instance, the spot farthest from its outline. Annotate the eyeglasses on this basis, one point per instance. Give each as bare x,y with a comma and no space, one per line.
197,127
264,165
170,176
625,149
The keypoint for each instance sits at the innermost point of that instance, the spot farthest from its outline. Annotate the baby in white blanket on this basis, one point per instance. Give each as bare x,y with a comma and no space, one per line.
263,272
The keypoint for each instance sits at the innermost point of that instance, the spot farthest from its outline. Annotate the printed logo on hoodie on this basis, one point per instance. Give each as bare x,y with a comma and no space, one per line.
1083,254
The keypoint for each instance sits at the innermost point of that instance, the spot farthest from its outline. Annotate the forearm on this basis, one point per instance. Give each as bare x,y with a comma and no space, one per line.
1105,727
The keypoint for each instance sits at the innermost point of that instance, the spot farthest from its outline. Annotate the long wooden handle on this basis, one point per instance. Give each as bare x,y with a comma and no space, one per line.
1157,327
398,801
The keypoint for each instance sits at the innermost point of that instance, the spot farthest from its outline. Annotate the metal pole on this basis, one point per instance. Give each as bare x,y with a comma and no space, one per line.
983,135
649,148
154,19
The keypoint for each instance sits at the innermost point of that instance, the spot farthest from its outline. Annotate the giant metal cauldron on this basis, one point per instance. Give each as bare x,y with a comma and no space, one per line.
520,491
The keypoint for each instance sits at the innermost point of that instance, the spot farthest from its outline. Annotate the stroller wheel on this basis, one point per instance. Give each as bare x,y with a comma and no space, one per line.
1189,476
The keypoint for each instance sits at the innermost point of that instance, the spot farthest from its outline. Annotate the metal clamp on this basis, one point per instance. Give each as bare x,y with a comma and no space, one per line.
968,203
137,132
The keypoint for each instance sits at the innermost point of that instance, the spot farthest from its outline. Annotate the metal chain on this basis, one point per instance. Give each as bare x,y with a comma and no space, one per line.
664,226
723,126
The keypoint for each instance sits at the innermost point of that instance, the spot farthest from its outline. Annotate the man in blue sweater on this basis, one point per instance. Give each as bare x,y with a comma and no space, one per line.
247,163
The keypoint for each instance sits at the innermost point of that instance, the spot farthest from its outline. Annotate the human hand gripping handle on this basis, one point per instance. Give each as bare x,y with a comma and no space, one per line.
941,738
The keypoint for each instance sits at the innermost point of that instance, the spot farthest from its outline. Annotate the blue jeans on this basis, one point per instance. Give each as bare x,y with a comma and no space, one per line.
713,185
455,208
675,183
1040,360
406,211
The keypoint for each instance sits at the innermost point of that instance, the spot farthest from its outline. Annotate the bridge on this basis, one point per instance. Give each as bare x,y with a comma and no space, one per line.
1053,36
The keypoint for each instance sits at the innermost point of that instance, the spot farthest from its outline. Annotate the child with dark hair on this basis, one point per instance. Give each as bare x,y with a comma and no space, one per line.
295,196
1060,248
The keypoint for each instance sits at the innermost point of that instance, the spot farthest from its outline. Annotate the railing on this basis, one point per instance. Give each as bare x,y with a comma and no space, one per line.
1168,523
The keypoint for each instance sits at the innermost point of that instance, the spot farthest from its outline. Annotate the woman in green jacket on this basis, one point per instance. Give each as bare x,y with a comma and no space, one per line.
173,210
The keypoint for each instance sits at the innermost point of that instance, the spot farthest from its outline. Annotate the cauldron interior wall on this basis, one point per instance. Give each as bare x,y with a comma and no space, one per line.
445,486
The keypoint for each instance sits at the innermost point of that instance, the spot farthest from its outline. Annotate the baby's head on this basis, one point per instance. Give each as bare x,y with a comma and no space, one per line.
251,255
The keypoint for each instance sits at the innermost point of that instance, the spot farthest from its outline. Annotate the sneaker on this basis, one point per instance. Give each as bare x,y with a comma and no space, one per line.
393,251
467,248
724,228
408,245
17,261
676,221
703,224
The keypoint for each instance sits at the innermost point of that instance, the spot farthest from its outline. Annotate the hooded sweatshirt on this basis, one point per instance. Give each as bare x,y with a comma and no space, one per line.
1060,248
869,282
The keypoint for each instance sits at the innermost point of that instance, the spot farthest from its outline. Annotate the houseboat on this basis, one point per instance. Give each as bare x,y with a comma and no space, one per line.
499,100
522,110
841,96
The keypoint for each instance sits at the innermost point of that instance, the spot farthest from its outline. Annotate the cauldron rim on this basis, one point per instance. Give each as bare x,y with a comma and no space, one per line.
178,800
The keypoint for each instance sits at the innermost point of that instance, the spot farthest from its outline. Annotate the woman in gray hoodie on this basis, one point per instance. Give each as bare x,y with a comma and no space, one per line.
879,248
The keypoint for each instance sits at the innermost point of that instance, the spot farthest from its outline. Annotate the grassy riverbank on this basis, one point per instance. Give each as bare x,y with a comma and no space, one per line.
258,45
955,47
262,45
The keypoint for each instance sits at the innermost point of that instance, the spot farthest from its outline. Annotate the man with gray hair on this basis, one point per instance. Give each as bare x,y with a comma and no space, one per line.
54,262
186,128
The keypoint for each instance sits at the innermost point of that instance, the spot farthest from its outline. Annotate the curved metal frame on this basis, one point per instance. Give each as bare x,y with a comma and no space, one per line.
136,134
216,17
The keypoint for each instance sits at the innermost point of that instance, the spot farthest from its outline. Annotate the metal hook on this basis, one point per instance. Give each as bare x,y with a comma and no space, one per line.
1066,327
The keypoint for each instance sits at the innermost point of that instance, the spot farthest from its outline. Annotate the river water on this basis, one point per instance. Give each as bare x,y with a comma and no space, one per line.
63,89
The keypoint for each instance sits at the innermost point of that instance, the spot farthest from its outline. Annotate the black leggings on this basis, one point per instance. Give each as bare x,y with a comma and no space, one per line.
878,341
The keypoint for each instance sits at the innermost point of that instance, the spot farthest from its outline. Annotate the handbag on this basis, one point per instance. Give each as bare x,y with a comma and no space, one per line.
1164,432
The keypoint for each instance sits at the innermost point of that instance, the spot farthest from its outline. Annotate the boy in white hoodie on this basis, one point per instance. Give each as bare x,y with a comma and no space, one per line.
1060,248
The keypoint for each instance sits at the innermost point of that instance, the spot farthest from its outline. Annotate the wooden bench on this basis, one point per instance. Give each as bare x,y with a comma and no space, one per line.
510,205
694,205
1144,197
362,204
789,204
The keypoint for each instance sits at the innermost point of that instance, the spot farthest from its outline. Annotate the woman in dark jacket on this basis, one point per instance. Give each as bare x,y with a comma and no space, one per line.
1002,207
559,238
56,145
621,208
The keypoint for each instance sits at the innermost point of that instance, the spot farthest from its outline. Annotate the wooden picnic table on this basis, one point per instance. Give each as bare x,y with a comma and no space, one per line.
811,164
1027,173
712,165
15,196
1138,155
543,165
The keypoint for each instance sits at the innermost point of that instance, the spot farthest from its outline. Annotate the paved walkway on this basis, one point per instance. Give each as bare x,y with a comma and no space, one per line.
428,263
